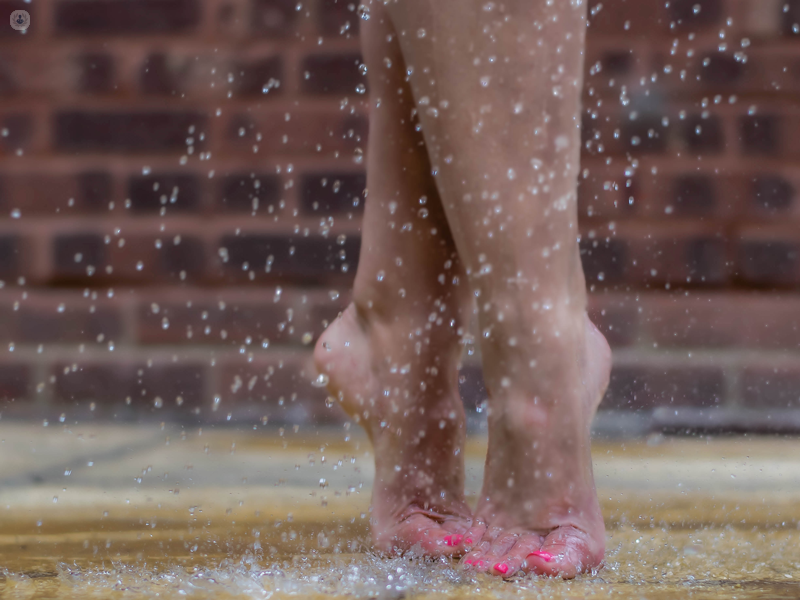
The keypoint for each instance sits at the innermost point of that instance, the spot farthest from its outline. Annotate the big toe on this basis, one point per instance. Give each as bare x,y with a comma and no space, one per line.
566,552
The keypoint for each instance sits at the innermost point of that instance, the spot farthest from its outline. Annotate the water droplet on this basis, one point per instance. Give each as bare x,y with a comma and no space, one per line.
421,33
380,276
321,380
363,12
333,294
307,337
362,68
16,214
361,88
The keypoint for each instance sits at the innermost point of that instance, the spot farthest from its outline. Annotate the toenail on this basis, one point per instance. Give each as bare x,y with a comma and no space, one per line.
467,562
457,539
501,568
543,555
468,541
448,539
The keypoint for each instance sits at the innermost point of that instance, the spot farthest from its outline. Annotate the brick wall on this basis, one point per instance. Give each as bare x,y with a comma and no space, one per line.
181,184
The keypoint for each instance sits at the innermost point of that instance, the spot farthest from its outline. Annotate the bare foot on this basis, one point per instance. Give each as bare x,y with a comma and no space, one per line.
539,512
410,408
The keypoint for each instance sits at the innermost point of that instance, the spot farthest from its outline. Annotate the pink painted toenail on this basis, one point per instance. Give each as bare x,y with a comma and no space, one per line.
542,554
448,539
468,541
501,568
467,562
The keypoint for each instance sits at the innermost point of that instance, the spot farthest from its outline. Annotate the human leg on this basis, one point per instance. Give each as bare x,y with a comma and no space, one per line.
498,86
392,356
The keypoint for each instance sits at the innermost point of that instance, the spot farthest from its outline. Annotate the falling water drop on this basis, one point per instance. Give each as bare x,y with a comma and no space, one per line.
321,380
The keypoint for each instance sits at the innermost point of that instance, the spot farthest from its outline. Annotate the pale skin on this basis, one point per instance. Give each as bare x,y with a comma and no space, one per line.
472,171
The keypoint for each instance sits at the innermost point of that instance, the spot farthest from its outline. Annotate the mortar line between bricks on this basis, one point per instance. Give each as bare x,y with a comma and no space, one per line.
289,353
732,391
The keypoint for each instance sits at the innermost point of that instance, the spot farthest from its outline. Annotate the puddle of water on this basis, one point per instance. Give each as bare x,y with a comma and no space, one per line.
314,559
686,519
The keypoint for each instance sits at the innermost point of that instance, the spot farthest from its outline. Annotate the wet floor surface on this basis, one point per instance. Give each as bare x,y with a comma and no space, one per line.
113,512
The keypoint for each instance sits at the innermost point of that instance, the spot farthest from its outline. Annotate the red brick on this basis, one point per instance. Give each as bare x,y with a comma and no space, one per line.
176,192
626,17
332,74
50,194
790,18
258,193
316,132
324,310
15,382
617,317
227,322
472,387
722,320
254,79
682,253
273,17
772,193
275,387
109,384
760,134
121,17
87,257
16,131
74,254
768,256
173,262
49,320
604,260
771,386
605,192
644,386
339,17
332,193
96,73
269,257
163,74
12,259
127,132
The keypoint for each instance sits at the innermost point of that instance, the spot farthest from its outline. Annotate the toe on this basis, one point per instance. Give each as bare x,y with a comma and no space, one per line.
565,553
475,559
480,556
419,534
498,552
513,560
473,536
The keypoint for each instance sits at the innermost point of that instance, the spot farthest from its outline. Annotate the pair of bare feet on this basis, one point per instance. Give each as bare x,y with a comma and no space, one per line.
538,511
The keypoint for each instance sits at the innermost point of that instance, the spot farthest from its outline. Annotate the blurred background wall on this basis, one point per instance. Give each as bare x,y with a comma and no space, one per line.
182,182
